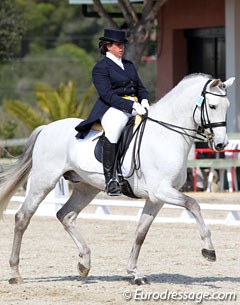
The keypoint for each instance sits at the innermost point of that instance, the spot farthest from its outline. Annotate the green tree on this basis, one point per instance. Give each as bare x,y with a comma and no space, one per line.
51,104
11,30
64,63
50,23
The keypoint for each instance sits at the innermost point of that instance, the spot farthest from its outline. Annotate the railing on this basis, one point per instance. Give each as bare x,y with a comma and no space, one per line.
121,210
13,142
219,163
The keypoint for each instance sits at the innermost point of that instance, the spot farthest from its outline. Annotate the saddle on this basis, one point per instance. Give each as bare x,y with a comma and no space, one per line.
122,147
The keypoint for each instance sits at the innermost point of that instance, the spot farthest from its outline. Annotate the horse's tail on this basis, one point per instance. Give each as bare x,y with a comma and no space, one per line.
13,178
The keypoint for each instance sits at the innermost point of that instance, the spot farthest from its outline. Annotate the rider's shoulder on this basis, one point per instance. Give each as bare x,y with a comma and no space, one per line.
126,61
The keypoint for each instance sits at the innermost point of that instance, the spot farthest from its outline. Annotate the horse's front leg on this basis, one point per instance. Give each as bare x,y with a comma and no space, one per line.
173,196
208,251
149,212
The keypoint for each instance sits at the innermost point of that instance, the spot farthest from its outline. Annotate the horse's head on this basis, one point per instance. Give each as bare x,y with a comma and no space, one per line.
211,111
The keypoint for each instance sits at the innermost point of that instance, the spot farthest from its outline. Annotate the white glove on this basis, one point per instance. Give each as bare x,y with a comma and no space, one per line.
139,108
145,103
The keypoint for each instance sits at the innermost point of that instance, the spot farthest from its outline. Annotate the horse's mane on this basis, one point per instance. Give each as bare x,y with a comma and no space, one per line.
185,91
190,79
187,82
193,76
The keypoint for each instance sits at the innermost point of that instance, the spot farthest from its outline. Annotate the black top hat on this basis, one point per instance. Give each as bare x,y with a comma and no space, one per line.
114,36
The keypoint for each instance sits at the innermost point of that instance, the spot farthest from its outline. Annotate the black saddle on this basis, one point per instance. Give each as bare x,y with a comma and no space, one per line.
122,146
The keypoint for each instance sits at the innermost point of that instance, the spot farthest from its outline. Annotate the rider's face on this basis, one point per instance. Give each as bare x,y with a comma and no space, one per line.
117,49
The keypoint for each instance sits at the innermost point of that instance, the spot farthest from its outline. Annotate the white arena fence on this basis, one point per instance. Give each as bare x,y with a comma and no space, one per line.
109,209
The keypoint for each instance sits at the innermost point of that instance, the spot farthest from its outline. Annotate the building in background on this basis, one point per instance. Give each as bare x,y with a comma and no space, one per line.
200,36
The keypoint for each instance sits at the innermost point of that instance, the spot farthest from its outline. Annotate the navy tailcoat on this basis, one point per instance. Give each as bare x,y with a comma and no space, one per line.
112,83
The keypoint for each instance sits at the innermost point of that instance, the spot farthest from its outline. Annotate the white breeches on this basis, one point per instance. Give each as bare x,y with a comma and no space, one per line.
113,121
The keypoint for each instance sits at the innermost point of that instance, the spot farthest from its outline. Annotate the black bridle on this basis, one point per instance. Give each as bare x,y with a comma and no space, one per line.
201,135
205,121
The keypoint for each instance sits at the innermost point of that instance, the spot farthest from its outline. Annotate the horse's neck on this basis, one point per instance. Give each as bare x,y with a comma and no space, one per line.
178,105
177,108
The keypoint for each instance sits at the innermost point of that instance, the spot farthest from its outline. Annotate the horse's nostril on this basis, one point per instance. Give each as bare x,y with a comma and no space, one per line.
220,146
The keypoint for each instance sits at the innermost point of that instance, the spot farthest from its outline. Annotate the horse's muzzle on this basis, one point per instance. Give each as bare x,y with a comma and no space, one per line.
220,146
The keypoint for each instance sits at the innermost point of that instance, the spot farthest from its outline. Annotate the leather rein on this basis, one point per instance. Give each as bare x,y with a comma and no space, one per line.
205,121
205,124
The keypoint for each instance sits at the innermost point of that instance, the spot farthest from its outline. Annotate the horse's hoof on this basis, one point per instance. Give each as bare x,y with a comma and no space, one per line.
140,281
15,280
210,255
83,271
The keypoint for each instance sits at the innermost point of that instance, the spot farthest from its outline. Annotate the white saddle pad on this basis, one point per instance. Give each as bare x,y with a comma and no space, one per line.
86,157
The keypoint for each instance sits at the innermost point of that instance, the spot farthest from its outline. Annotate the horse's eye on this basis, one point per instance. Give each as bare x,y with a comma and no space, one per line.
212,106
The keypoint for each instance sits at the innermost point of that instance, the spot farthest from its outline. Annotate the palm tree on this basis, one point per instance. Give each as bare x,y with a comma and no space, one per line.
51,104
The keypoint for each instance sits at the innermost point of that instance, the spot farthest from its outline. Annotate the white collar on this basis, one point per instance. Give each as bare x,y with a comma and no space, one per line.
115,59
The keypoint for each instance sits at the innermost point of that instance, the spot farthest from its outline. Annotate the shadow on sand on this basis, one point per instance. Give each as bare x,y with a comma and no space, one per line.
170,278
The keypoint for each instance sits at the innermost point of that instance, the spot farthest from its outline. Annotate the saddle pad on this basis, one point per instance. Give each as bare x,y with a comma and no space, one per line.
86,158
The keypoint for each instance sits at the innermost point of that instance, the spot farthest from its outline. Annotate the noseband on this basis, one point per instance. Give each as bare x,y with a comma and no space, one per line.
205,121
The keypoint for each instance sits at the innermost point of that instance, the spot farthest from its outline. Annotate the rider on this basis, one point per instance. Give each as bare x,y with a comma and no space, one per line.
121,95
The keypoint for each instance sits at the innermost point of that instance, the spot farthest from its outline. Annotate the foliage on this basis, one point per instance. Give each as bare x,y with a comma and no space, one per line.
11,30
50,23
52,105
147,72
25,113
66,62
7,129
60,44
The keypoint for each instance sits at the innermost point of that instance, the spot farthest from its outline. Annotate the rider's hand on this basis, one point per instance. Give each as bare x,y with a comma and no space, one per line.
139,108
145,103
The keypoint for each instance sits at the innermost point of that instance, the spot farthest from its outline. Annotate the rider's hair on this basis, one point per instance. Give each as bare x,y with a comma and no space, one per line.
103,46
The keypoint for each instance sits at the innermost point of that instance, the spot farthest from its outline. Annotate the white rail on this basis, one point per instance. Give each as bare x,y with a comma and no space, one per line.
103,209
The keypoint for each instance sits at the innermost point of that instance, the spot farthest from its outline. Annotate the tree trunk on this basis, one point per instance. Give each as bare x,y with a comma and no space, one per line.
138,40
138,28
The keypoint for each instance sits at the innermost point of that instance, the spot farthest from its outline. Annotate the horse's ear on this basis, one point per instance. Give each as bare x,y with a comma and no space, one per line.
214,83
229,82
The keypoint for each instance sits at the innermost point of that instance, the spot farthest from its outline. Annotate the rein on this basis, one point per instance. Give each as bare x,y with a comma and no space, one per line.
205,123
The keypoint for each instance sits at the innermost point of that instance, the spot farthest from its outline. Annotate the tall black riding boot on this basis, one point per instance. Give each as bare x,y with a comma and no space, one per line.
109,153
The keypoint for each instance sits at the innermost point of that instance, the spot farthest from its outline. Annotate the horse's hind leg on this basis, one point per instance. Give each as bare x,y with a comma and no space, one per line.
82,195
37,192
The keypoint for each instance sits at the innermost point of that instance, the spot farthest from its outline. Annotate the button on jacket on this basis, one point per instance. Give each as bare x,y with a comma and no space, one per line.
112,83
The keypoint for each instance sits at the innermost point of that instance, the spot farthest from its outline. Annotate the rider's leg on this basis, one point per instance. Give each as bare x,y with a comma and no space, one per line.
109,154
113,122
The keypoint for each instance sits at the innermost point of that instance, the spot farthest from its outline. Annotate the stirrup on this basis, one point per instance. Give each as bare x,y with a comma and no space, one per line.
113,188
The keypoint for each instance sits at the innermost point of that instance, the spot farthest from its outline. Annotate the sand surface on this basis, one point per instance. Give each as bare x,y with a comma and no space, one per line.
170,258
